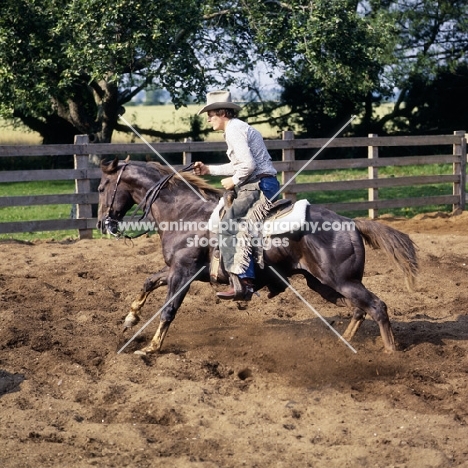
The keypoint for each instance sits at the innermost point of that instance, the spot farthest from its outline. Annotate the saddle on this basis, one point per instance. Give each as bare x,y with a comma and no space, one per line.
281,207
283,204
283,217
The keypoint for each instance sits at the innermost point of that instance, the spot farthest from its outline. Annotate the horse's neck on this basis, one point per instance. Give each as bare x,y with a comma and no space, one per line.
183,208
184,205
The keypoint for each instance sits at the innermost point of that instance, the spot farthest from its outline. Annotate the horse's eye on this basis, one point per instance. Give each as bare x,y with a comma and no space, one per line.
101,186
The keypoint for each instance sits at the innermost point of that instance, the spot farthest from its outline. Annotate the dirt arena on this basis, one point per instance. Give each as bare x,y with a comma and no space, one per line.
268,386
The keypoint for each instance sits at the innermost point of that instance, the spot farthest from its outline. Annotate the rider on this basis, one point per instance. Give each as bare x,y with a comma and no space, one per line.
252,178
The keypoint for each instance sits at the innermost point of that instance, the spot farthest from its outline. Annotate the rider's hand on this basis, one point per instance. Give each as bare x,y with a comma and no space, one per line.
200,169
228,183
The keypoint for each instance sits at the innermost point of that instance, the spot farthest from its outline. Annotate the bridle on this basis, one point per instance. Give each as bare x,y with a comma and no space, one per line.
112,225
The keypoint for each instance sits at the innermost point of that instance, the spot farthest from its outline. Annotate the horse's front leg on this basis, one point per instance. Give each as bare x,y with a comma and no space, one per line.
158,339
151,283
178,282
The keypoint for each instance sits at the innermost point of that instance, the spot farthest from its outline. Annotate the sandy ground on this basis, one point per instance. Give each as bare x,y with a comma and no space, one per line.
268,386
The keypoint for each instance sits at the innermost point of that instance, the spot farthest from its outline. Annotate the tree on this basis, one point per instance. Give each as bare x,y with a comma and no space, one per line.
437,106
332,55
342,57
69,66
431,45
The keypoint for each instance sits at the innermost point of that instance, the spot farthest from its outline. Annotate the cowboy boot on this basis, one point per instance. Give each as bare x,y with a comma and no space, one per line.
241,289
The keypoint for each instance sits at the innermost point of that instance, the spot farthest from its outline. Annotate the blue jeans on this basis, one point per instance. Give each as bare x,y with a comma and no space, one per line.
270,187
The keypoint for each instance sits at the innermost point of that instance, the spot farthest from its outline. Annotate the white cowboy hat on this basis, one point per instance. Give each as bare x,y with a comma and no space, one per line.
219,100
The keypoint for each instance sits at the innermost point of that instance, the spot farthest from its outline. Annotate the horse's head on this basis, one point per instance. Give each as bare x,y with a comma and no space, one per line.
115,198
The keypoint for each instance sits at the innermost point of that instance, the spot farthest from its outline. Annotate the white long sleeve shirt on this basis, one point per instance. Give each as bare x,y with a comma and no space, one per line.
247,154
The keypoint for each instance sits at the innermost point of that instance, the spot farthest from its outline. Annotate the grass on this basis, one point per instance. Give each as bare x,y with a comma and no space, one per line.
166,118
36,212
44,212
384,193
10,135
161,118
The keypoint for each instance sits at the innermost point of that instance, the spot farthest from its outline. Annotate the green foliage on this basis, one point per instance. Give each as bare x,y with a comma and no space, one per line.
332,56
437,105
335,46
68,67
430,43
341,57
431,35
107,40
79,61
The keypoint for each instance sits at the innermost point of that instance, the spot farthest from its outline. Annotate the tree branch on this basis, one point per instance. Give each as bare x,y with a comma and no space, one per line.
216,15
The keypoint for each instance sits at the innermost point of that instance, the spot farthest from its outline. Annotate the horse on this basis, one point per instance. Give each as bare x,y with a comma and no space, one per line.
331,260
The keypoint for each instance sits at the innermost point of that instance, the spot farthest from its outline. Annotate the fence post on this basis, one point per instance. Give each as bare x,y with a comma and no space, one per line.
459,169
186,156
83,186
288,155
372,174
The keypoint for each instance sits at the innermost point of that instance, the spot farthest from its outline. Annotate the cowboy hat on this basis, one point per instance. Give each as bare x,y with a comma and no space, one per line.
219,100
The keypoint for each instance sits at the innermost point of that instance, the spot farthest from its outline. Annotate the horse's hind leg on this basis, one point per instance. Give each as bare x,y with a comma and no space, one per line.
328,293
356,321
153,282
362,301
366,302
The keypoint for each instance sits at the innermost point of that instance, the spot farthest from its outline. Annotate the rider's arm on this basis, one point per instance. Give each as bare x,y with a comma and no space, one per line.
239,153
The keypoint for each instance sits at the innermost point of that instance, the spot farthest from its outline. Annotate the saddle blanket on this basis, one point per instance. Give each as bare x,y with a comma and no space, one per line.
291,221
279,223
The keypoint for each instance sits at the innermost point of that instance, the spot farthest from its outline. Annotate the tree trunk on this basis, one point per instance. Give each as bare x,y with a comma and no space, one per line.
108,110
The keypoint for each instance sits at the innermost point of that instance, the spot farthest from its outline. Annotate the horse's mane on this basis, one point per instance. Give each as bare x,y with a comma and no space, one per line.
198,182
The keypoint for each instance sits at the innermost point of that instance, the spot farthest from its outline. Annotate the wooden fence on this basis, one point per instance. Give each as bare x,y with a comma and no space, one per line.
84,197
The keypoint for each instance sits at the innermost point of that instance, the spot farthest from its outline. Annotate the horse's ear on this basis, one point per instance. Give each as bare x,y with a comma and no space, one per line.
109,166
127,158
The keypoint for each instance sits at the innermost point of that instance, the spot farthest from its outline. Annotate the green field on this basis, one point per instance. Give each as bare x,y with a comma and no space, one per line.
167,119
36,212
161,118
63,211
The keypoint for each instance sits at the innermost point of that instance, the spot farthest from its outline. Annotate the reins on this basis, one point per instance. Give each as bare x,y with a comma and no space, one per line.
153,193
112,225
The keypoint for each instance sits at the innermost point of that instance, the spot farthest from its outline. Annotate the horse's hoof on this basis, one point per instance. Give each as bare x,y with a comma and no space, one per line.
146,351
129,324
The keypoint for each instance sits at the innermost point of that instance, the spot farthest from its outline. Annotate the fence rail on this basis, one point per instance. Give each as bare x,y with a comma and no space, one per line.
288,167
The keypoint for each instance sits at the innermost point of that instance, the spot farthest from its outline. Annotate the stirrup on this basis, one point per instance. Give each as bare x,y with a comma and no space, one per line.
242,289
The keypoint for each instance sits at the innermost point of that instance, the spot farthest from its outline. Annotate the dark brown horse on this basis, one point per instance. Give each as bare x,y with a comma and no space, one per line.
331,260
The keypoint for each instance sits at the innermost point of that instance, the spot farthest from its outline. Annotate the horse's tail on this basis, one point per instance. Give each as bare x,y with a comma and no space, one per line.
396,244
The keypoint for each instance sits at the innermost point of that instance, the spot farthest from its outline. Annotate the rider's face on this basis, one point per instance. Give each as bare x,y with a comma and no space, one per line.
217,122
